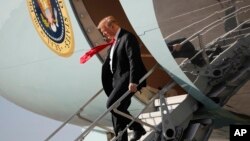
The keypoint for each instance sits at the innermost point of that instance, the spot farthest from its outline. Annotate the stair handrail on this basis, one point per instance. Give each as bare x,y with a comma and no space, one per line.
133,119
208,27
114,105
199,21
183,64
213,24
227,19
198,10
75,114
229,32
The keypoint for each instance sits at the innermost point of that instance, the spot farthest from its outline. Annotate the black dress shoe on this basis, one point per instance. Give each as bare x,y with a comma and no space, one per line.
138,134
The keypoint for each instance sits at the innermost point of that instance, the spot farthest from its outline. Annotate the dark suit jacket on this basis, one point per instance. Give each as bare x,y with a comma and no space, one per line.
127,64
187,51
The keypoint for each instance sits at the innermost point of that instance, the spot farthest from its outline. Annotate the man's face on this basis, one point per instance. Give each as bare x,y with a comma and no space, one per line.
108,32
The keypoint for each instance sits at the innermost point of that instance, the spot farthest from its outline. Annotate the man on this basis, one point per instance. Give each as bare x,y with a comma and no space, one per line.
121,71
187,50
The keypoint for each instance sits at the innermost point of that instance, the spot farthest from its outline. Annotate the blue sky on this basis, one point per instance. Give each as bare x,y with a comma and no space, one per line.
18,124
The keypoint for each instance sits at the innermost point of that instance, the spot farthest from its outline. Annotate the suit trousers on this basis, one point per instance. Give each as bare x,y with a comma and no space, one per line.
120,122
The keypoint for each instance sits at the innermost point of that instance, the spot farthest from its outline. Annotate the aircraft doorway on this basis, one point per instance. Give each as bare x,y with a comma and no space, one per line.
90,12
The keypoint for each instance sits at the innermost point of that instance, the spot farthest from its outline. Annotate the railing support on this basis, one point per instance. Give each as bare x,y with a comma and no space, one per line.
204,54
161,92
71,117
114,105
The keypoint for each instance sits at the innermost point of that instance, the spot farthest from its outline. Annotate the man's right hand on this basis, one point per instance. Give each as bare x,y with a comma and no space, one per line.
177,47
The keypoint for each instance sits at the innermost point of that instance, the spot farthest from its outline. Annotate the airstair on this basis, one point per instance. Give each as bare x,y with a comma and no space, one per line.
190,117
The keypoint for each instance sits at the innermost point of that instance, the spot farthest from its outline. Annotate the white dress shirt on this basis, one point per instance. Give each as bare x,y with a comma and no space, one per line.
113,48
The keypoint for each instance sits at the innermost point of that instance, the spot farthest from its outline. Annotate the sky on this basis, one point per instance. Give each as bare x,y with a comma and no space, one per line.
18,124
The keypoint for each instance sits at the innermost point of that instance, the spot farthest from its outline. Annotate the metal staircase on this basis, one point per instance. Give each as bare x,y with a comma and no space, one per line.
184,117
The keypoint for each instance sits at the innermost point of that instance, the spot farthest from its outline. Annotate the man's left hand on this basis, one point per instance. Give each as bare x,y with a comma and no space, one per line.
132,87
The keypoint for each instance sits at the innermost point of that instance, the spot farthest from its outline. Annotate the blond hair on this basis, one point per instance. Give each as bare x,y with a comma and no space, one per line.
107,21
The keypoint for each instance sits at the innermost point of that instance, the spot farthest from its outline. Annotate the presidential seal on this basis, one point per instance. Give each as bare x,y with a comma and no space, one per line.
52,23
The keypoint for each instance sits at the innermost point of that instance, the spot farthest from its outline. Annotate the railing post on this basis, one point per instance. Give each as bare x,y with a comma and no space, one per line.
71,117
166,88
204,54
114,105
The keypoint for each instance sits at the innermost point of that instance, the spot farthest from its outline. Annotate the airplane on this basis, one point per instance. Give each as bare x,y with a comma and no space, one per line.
42,41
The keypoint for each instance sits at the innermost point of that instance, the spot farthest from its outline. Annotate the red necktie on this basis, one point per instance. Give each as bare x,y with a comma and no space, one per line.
94,51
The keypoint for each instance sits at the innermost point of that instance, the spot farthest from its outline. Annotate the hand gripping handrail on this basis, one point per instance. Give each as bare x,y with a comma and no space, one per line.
160,93
114,105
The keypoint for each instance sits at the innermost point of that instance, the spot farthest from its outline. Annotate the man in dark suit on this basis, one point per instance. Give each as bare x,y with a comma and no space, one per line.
187,50
121,71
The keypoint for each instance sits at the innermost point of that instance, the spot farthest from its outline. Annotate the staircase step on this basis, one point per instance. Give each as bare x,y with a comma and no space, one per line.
171,101
150,115
152,118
